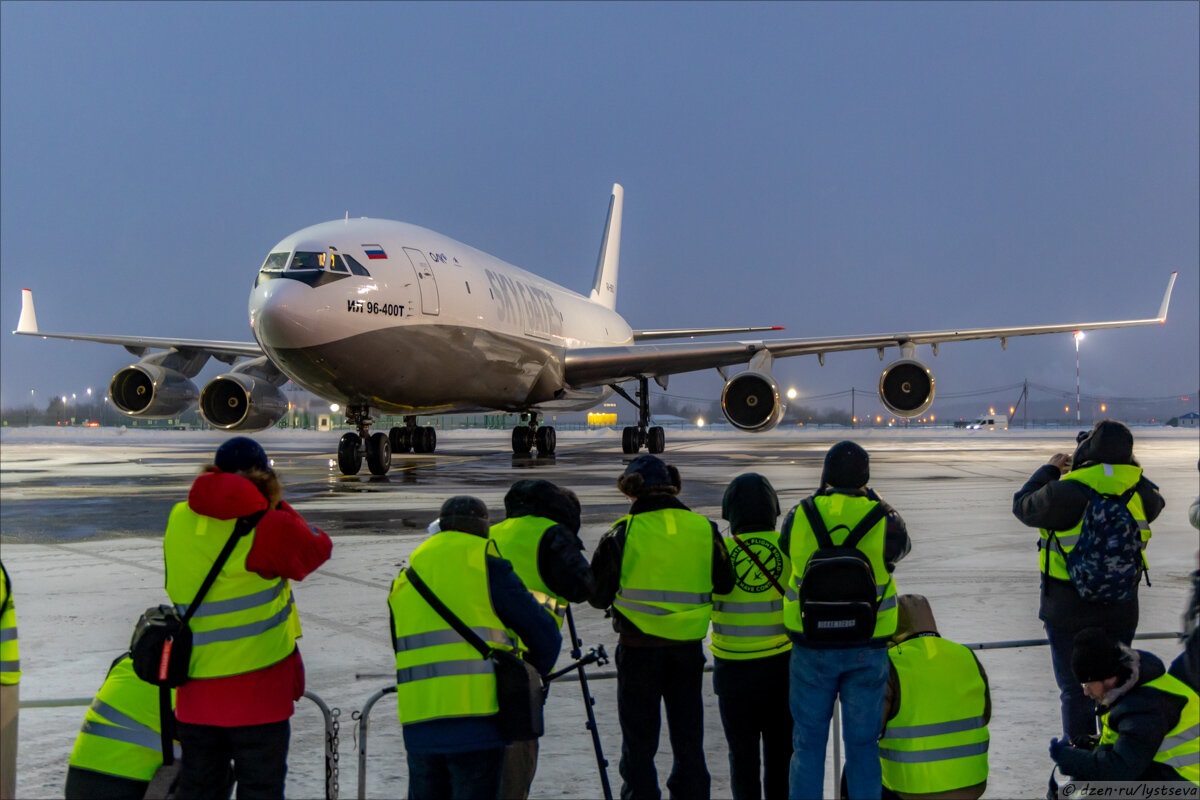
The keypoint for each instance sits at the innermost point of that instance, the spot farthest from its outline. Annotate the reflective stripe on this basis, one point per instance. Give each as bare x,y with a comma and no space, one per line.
654,596
141,735
115,717
751,607
643,608
748,630
941,754
214,607
1184,736
200,638
1183,760
886,604
933,728
10,666
416,641
444,669
8,634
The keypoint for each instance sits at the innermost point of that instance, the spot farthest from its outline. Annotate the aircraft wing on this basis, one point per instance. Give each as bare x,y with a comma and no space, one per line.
689,333
138,345
595,366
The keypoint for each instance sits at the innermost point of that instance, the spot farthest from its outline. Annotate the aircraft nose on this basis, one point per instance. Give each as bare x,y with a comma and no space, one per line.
280,315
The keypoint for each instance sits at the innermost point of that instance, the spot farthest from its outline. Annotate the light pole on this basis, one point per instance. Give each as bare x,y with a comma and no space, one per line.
1078,336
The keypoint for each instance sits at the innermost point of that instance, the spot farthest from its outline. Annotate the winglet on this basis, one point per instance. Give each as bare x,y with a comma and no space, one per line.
1162,311
604,287
28,321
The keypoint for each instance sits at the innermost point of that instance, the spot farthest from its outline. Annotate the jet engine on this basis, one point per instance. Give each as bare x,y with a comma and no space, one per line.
237,401
906,388
151,391
750,401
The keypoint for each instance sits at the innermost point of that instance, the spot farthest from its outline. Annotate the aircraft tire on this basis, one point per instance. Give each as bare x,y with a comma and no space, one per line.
522,440
656,440
379,453
399,439
349,455
629,440
547,440
425,440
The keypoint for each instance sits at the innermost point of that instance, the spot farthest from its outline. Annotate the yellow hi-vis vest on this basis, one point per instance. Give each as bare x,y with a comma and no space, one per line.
519,539
666,573
245,622
121,733
938,740
1180,748
438,674
843,512
10,657
1113,479
747,623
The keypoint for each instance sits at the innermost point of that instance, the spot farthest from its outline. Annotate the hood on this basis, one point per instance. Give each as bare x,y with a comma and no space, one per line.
539,498
750,504
1109,442
914,617
1143,667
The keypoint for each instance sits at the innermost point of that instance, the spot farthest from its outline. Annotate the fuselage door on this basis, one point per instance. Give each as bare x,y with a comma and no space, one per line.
427,284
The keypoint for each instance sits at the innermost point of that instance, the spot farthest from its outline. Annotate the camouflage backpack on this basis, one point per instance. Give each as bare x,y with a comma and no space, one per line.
1106,562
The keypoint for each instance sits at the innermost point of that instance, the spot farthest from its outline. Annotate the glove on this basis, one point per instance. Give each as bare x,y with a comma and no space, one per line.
1056,749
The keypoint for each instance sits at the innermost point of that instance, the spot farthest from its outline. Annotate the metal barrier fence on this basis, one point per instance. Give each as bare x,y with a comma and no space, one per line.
331,731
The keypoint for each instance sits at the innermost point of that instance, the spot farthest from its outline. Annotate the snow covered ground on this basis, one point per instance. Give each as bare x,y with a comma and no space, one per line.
81,514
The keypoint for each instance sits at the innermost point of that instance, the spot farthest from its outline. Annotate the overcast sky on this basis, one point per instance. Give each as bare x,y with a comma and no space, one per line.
836,169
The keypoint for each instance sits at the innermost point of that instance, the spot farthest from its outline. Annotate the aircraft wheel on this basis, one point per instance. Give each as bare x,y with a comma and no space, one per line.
379,453
349,454
629,440
656,440
425,440
399,440
547,441
522,440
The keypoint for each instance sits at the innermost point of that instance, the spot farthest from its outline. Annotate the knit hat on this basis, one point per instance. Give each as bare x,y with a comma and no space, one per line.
464,513
648,474
1095,656
1109,442
241,453
847,466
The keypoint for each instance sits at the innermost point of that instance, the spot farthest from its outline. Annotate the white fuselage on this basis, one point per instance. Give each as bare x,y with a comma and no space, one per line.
436,326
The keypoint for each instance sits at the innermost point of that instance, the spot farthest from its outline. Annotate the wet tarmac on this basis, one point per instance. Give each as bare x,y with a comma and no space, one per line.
82,512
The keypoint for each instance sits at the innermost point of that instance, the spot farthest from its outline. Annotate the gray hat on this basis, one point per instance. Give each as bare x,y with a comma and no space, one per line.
464,513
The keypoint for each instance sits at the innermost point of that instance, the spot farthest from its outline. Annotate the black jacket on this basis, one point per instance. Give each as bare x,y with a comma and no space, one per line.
1047,502
1142,717
606,567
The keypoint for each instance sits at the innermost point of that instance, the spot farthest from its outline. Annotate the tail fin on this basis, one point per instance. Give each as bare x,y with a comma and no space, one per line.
604,288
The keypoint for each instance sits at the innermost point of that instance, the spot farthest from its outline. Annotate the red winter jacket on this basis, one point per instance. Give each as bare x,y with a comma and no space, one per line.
284,546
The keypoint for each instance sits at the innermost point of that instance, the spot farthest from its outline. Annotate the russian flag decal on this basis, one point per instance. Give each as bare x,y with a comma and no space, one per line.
374,251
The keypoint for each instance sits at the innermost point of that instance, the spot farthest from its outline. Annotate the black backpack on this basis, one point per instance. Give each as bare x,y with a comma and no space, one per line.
837,590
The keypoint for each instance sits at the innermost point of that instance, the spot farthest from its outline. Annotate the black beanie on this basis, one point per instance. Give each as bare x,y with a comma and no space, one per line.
847,466
1095,656
464,513
241,453
750,504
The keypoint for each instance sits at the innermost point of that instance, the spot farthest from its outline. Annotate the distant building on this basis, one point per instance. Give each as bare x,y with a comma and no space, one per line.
1190,420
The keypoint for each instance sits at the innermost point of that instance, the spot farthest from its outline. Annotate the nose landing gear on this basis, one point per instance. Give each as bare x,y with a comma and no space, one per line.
377,448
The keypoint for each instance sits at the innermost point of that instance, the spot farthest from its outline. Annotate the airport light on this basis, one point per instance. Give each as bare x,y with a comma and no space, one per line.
792,393
1078,336
699,422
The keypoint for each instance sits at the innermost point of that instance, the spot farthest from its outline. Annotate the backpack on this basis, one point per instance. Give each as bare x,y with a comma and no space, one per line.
837,590
1106,562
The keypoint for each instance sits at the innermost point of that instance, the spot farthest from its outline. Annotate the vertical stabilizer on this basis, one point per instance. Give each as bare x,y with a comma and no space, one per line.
604,289
27,323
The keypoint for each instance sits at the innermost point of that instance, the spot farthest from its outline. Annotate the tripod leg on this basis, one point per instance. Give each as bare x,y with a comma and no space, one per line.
588,703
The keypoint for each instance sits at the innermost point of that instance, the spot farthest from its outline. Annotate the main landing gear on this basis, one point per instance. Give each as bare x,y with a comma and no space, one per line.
634,437
531,433
377,448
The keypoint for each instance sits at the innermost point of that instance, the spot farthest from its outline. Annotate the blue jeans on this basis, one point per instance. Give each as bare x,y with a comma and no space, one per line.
473,775
857,677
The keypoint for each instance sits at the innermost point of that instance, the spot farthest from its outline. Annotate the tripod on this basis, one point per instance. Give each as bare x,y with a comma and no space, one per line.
595,656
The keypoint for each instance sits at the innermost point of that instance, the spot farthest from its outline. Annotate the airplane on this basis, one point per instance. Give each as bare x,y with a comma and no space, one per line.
386,316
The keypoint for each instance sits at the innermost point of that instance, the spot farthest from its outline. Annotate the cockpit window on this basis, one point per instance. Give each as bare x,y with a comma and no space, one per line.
309,260
326,262
276,262
355,267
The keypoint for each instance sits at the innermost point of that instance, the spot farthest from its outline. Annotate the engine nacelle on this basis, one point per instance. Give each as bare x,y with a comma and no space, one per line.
750,401
151,391
906,388
239,402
